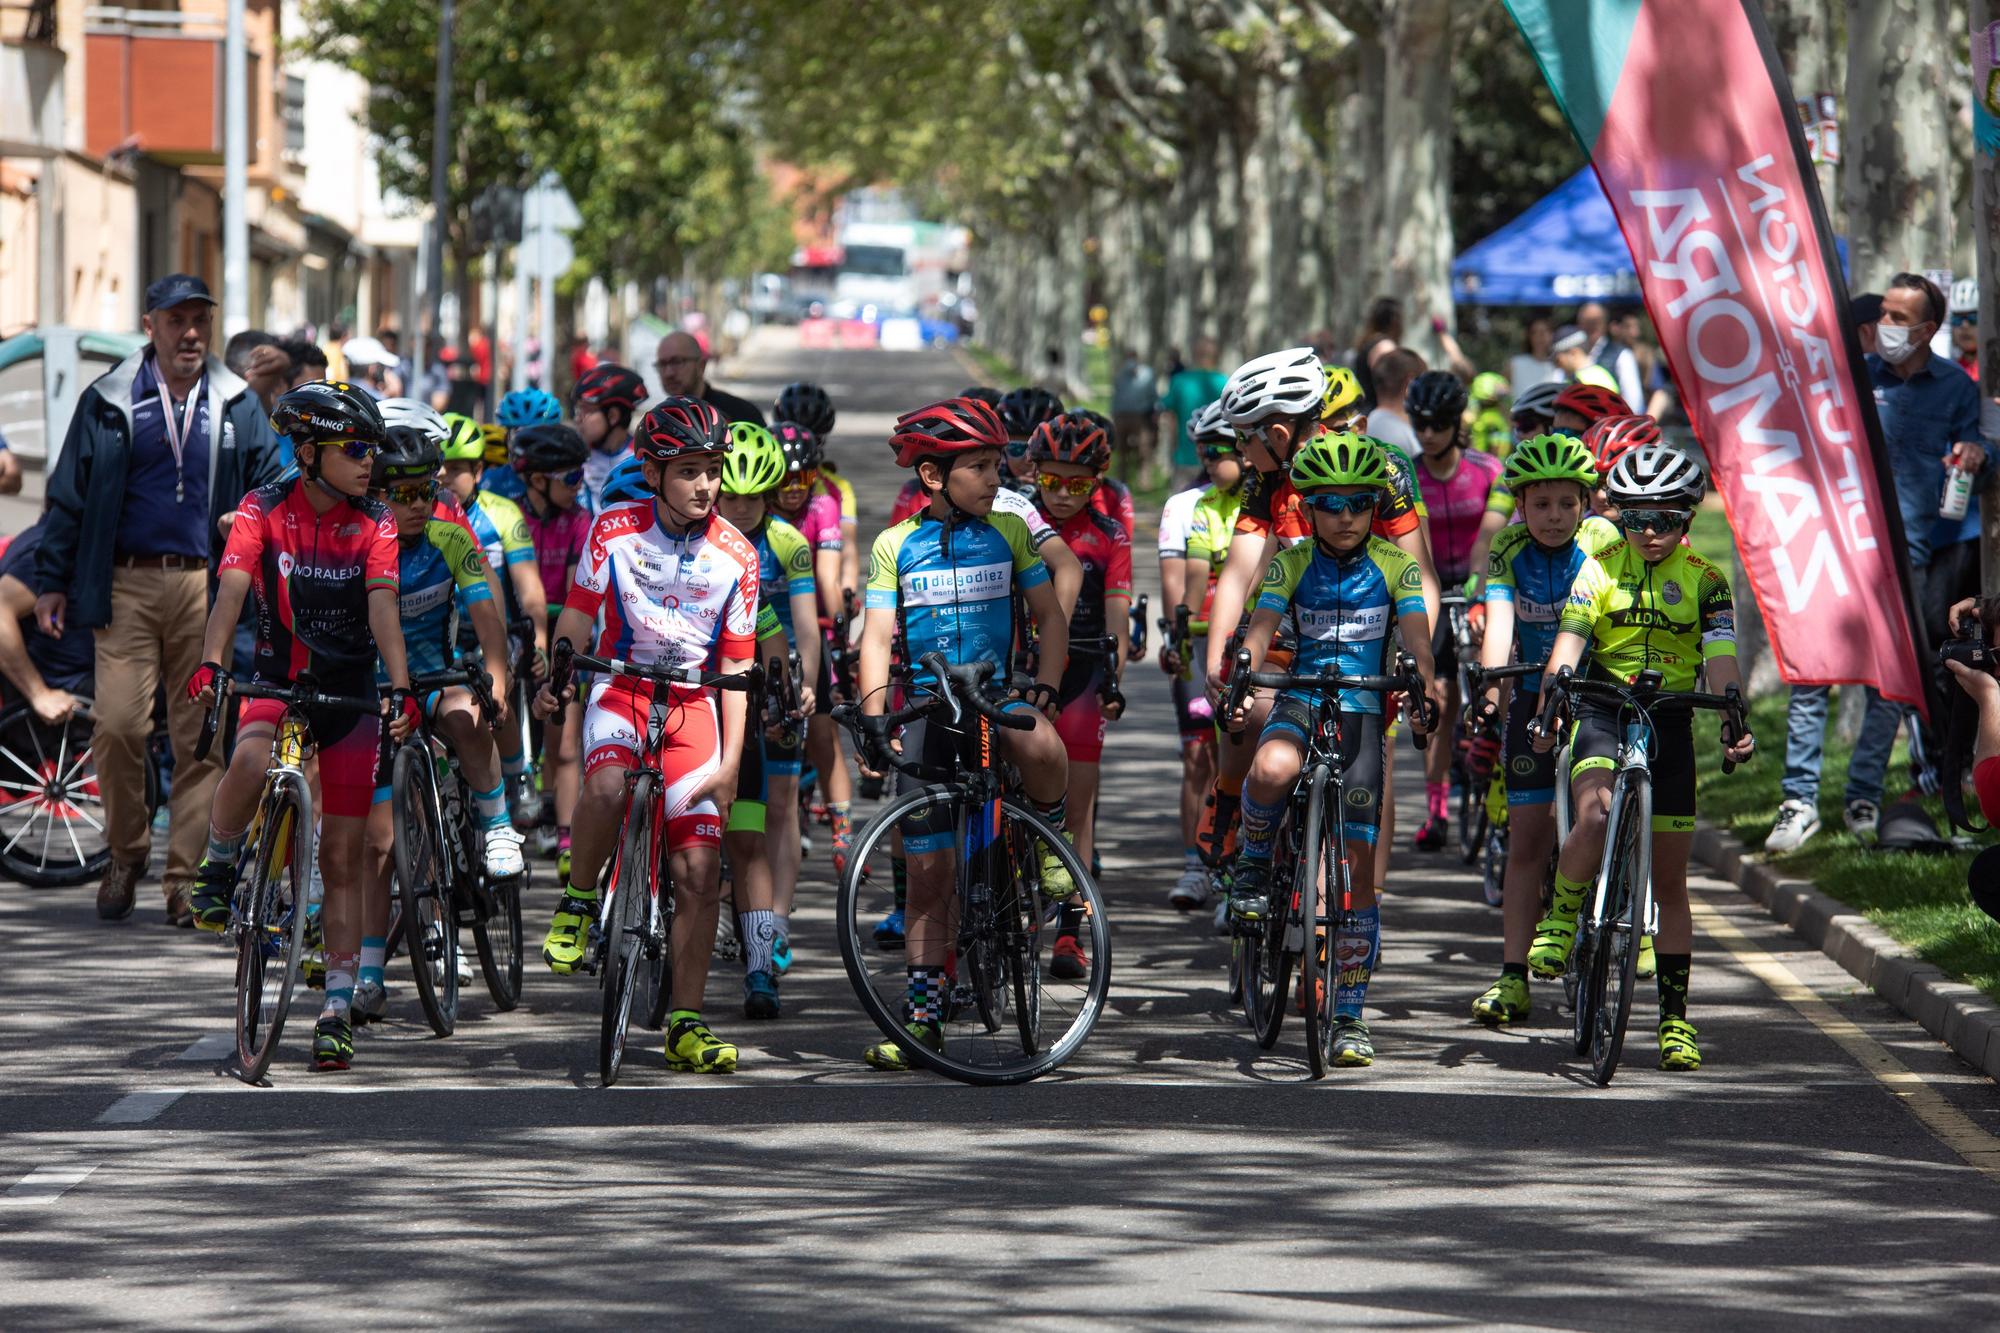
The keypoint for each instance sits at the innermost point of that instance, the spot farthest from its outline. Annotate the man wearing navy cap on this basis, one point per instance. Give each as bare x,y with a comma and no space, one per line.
161,449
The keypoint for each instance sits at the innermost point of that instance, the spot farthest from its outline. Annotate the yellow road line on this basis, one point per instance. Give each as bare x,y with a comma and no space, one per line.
1952,1126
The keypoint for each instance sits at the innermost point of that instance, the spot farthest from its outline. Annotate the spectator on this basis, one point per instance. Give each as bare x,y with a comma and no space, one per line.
482,355
336,338
1389,423
1965,342
1135,390
47,672
159,451
368,364
1381,333
260,361
581,358
1531,365
1192,388
1930,414
435,386
1324,347
10,470
395,376
1612,354
683,369
308,361
1571,350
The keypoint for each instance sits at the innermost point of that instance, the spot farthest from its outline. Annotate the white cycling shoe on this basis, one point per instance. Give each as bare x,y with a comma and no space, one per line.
1190,891
503,851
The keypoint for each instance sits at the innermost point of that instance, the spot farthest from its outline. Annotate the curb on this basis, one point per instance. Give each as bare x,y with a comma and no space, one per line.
1956,1014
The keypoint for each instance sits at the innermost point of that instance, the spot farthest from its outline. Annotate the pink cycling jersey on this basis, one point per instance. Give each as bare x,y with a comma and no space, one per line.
559,539
818,522
1457,506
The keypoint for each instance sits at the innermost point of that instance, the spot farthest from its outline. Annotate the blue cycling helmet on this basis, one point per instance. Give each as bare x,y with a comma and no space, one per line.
626,483
529,407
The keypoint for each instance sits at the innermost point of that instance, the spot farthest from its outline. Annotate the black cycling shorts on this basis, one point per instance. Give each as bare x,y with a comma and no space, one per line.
1531,777
1192,713
935,748
748,813
823,683
1594,745
1361,741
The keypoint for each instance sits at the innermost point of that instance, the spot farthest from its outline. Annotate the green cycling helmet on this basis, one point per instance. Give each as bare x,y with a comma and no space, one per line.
1339,459
754,464
1490,387
466,442
1550,458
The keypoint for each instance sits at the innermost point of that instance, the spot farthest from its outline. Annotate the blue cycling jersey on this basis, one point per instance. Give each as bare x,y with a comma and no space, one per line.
440,572
504,482
784,569
1343,608
1537,579
952,583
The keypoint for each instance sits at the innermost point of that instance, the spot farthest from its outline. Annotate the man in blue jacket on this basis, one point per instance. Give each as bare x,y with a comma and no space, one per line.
161,449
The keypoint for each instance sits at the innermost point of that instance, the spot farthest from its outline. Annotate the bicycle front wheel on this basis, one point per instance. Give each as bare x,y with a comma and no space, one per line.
269,920
1624,925
625,929
1471,816
496,933
423,883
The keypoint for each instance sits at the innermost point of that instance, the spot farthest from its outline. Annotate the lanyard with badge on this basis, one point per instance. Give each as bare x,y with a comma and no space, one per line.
178,429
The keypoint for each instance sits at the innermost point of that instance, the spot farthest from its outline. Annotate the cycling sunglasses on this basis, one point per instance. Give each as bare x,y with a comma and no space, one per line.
1049,481
1662,521
1433,423
358,450
421,491
1215,453
1017,448
1342,504
573,477
800,481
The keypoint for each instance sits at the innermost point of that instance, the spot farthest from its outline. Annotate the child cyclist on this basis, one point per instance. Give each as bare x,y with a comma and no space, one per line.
518,410
1610,439
1644,603
984,558
550,459
674,584
1340,592
602,404
1528,575
764,853
321,558
1070,455
441,572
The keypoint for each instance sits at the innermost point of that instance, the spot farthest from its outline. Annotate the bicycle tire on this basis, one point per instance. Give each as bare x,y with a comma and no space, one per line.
51,789
1315,991
659,971
497,936
1625,920
1269,982
270,920
624,931
1471,817
423,885
995,943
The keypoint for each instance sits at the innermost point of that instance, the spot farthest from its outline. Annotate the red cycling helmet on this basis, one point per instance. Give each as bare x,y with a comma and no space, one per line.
1592,402
607,386
680,426
1611,438
1072,437
954,426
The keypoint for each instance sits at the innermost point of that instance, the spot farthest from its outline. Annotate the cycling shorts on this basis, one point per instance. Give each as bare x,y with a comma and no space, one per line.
1594,745
1191,710
616,722
345,743
1531,777
935,747
1080,720
1361,741
747,811
1444,650
823,683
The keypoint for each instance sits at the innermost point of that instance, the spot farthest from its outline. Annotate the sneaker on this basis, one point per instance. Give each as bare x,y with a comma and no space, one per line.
543,841
1505,1001
114,891
214,886
333,1043
728,947
1352,1047
180,908
1190,891
890,1055
760,995
1555,936
1250,893
1862,819
1677,1048
1431,834
524,803
569,934
503,851
1069,962
1797,821
371,1001
889,931
1645,966
1057,885
781,954
693,1049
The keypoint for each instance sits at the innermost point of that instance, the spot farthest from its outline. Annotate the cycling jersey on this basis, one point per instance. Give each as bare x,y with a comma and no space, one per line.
784,569
439,572
559,537
1113,499
502,480
818,521
1458,505
1670,617
1210,526
951,583
1175,517
666,599
1271,505
1537,580
312,573
1106,554
843,490
597,465
503,538
1343,609
913,500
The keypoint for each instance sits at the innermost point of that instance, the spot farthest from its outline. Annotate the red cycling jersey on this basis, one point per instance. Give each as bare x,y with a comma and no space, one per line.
1113,499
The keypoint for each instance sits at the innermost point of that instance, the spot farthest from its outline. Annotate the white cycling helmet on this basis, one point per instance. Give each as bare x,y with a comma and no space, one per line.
1656,474
415,414
1208,426
1279,384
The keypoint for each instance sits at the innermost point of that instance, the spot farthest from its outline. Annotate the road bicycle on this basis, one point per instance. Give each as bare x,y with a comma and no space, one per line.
631,948
1491,853
1602,974
1008,1017
51,809
1309,908
267,914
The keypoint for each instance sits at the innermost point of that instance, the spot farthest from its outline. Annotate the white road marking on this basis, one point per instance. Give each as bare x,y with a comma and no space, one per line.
136,1108
45,1184
214,1046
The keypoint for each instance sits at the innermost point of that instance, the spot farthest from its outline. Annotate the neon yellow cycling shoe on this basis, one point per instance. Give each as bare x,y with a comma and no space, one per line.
1555,935
1505,1001
1677,1048
891,1056
1057,885
693,1049
569,933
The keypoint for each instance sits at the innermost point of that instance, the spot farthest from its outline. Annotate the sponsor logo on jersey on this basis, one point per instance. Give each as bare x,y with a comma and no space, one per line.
1538,613
1671,593
941,587
419,601
1343,626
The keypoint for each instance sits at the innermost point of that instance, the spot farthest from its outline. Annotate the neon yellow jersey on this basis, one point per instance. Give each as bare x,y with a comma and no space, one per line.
1670,617
1210,527
845,490
502,532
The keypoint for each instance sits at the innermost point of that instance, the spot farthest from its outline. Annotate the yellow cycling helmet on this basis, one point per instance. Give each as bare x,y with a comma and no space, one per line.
495,436
1342,392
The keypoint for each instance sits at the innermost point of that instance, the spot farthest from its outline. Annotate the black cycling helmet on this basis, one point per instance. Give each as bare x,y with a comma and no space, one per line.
1435,398
679,425
1023,409
408,453
327,410
800,445
550,447
807,404
982,393
608,387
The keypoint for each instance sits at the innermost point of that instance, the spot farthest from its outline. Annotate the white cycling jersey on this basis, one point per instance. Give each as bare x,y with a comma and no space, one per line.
664,600
1010,501
1175,521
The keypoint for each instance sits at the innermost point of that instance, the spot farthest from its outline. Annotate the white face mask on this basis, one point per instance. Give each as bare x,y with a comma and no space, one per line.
1895,343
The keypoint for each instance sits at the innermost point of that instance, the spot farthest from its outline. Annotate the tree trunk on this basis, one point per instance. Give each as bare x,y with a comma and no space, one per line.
1809,36
1896,170
1416,178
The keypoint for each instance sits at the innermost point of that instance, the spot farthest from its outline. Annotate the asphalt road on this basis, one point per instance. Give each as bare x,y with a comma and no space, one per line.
1829,1163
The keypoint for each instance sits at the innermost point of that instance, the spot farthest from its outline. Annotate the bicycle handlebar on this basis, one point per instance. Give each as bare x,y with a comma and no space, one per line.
565,659
476,679
1405,680
963,685
1644,694
295,695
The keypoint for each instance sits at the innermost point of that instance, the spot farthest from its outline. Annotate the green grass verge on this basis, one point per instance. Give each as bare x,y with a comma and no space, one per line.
1710,536
1920,900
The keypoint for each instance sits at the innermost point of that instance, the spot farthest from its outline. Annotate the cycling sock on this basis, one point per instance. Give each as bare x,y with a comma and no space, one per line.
339,983
1260,821
1568,896
782,923
1514,970
1357,945
1055,812
679,1016
836,815
758,931
1072,920
515,766
1673,980
492,805
562,836
1190,858
924,1002
1438,799
224,848
374,952
588,895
